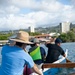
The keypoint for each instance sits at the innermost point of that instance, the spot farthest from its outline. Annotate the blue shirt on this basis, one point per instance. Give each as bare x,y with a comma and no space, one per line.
13,60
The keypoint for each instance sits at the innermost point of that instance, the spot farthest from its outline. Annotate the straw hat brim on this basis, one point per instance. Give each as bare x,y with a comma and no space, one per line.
18,40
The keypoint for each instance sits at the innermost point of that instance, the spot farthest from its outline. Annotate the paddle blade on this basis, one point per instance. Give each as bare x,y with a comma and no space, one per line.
68,61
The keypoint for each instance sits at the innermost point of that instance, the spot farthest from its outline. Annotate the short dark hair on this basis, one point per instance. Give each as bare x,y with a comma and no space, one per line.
19,44
32,45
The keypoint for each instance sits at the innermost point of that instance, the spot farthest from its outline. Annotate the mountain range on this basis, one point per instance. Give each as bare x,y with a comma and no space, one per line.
47,29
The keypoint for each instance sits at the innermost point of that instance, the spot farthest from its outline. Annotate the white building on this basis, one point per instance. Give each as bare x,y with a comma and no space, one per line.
31,29
65,27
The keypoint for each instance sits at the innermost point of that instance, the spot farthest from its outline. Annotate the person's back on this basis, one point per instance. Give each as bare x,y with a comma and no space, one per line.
13,60
54,51
39,52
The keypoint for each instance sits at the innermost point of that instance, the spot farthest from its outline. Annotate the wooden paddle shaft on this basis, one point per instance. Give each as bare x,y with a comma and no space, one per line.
57,65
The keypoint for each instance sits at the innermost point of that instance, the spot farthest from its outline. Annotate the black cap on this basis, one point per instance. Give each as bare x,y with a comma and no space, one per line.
58,40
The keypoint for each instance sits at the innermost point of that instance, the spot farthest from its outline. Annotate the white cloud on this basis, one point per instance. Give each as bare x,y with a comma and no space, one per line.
15,22
12,9
43,12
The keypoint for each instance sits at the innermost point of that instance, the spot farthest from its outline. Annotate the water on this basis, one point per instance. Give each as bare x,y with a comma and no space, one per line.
71,55
0,55
71,50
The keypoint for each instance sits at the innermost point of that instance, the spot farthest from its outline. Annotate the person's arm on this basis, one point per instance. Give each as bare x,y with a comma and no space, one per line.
47,43
30,63
64,55
61,51
43,53
36,70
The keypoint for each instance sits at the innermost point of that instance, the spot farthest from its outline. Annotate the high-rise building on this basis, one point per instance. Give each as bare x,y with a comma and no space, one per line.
64,27
31,29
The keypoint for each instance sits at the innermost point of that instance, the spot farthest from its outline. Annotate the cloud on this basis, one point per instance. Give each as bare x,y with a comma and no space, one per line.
12,9
73,2
42,12
13,22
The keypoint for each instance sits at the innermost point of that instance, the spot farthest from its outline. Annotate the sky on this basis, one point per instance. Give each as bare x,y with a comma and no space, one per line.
20,14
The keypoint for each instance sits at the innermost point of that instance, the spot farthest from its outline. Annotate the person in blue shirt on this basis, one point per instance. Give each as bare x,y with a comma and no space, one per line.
14,58
37,53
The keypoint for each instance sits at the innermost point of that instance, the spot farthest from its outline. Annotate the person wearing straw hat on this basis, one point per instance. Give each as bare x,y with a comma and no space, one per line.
14,58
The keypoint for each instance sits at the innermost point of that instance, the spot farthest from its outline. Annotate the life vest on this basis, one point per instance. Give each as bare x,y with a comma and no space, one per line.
35,54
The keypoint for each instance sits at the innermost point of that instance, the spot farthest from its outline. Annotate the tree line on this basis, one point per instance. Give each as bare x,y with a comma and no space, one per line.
68,37
65,37
7,35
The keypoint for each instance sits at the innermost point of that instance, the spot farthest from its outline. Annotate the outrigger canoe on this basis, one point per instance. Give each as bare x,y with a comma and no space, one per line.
52,71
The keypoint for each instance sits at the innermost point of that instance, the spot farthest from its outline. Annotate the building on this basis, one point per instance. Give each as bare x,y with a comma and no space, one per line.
31,29
64,27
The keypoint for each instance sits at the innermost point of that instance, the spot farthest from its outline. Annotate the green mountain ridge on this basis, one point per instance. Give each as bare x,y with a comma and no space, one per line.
47,29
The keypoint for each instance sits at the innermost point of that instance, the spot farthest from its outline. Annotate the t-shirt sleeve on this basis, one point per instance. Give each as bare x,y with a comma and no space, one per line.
29,61
2,51
61,51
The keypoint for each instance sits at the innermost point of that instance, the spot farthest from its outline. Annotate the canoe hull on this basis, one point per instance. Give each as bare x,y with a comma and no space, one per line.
52,71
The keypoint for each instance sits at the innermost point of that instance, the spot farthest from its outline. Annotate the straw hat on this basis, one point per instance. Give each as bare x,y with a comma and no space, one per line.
22,37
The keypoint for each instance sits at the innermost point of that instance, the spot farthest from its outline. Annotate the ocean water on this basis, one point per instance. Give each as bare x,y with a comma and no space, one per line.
71,56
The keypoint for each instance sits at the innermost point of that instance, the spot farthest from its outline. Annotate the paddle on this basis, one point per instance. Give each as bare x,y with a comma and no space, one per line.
58,65
67,60
65,55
